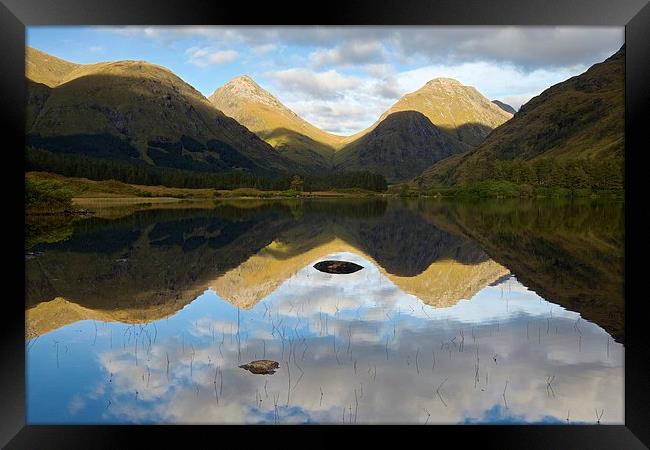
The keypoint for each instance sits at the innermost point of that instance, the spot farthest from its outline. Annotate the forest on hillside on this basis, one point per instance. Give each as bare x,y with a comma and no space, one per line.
103,169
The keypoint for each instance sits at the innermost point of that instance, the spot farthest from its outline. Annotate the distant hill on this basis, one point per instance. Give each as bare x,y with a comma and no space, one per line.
581,118
137,112
402,144
504,106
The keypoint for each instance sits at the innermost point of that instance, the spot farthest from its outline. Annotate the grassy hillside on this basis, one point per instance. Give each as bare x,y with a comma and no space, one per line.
85,188
137,112
46,69
262,113
581,118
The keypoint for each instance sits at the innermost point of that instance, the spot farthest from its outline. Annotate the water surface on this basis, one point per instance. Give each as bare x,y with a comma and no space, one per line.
498,312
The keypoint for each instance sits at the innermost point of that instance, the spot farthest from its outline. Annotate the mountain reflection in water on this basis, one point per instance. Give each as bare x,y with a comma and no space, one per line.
147,318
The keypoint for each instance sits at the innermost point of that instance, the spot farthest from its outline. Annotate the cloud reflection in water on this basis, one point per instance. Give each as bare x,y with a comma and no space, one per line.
351,348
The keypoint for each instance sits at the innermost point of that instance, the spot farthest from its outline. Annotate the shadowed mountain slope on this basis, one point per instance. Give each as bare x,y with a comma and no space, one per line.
580,118
137,112
399,147
504,106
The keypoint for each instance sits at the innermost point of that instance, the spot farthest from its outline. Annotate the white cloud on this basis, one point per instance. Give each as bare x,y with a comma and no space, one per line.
321,85
526,47
77,403
379,70
385,367
204,57
264,49
347,54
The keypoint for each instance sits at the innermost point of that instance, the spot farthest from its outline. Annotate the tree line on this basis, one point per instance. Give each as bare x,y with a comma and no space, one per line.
606,174
71,165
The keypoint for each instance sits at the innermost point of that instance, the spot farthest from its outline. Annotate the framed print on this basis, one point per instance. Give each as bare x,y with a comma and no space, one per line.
424,213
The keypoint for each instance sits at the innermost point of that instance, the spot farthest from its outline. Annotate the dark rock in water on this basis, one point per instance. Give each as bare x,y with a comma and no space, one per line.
261,367
337,267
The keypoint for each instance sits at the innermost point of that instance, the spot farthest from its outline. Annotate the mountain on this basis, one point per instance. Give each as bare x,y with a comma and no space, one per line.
143,114
403,144
441,119
580,118
461,113
137,112
252,106
504,106
46,69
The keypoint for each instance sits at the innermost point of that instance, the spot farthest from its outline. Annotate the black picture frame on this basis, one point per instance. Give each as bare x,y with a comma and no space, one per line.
15,15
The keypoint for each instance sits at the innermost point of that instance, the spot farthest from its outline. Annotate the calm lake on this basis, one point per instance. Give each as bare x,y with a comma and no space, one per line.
487,312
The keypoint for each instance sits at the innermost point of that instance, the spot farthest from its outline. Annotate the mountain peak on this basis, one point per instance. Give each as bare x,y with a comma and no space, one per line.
443,81
244,87
242,80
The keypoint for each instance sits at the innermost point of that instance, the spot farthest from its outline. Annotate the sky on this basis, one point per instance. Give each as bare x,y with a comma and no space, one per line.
342,79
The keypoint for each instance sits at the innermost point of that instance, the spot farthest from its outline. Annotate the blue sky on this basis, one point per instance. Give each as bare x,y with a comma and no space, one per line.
342,78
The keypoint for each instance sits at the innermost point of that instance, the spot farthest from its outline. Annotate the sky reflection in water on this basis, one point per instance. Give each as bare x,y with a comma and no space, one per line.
352,348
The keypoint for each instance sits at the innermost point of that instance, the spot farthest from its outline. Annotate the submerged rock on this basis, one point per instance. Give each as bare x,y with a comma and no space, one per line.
261,367
337,267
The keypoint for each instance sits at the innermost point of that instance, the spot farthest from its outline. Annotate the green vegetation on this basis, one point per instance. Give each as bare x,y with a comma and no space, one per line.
405,192
47,229
295,187
570,136
490,189
571,174
346,180
83,187
256,193
46,196
297,183
547,177
143,174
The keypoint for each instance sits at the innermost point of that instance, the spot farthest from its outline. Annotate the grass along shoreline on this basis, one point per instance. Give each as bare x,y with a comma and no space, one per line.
490,189
53,194
48,193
